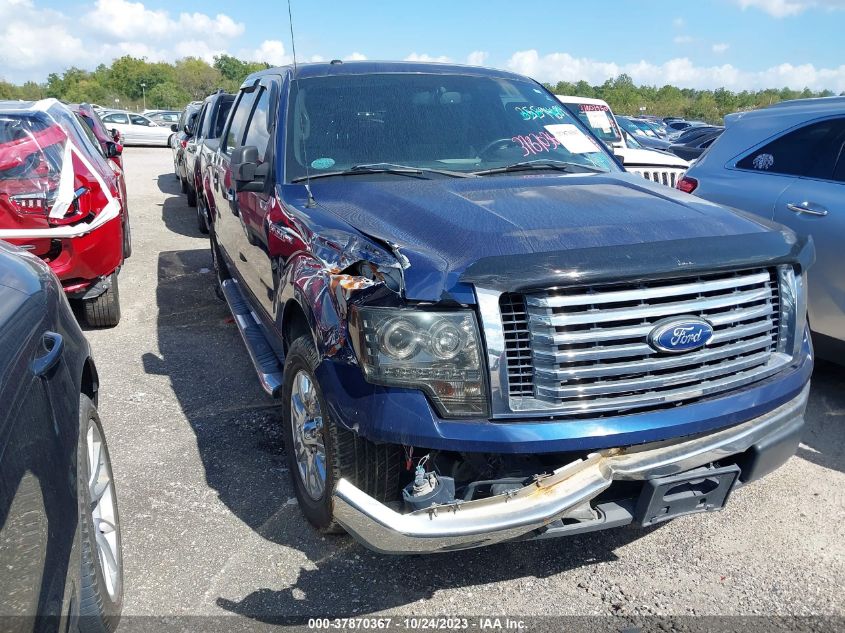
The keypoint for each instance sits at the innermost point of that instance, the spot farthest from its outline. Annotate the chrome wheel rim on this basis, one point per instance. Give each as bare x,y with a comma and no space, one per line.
307,425
103,507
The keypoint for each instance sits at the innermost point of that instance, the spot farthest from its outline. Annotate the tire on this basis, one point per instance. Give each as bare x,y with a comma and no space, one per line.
202,216
104,311
220,272
127,239
191,194
101,582
374,468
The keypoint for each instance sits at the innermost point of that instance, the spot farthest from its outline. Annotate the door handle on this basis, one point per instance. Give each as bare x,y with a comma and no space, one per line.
54,344
810,208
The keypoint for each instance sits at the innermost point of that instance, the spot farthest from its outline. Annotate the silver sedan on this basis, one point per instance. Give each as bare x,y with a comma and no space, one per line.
136,129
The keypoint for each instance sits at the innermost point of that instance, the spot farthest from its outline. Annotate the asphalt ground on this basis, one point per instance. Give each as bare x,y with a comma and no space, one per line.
211,526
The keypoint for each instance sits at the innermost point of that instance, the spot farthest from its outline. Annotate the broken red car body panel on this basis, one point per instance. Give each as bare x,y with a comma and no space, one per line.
60,197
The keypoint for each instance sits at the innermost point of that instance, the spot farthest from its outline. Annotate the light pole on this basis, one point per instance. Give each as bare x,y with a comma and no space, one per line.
144,93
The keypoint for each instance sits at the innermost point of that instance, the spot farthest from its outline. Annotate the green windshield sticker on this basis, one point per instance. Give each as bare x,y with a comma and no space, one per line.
322,163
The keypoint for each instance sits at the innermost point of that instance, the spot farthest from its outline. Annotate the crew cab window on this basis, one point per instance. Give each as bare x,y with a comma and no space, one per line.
222,114
139,120
258,131
199,128
239,119
434,121
811,151
118,117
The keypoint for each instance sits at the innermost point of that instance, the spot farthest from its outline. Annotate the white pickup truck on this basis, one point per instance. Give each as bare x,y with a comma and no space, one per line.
661,167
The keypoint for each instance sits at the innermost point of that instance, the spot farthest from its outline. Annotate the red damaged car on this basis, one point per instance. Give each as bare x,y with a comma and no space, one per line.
62,199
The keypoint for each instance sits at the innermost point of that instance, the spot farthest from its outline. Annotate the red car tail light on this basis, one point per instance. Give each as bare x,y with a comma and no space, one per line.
687,184
78,210
38,203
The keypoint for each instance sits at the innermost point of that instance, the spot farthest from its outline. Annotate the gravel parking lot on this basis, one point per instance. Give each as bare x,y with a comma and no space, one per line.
211,526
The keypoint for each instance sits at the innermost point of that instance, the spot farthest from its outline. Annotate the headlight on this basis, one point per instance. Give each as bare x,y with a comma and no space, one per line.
438,352
793,310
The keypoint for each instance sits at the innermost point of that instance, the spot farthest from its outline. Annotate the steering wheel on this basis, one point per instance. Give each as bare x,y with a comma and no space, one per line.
498,144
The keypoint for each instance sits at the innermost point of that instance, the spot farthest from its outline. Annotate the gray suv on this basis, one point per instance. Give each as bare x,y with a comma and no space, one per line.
787,163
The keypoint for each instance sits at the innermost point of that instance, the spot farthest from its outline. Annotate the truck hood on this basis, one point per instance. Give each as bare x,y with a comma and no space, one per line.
632,157
444,227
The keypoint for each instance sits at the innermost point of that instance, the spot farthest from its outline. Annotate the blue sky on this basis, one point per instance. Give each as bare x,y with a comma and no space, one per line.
735,43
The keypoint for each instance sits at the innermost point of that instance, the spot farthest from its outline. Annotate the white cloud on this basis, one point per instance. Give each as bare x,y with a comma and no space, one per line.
720,47
355,57
679,72
785,8
121,19
270,51
110,29
414,57
477,58
682,39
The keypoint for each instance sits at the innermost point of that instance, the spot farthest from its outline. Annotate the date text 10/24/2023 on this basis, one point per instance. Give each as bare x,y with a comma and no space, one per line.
422,623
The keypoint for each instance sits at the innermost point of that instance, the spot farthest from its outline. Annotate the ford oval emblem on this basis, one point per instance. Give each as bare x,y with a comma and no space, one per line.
680,334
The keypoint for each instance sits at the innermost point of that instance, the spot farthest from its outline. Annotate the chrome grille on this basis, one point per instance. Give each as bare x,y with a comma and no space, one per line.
667,176
589,351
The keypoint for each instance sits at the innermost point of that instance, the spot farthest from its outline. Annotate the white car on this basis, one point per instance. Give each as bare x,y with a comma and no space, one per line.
661,167
136,129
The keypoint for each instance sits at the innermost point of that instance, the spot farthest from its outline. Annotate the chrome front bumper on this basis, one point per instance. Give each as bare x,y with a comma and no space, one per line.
565,493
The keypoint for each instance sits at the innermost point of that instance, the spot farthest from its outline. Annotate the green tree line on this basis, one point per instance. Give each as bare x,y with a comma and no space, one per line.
129,79
624,97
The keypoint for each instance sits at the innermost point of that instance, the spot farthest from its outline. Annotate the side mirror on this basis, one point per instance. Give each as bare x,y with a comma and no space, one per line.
187,130
248,174
174,128
115,135
113,150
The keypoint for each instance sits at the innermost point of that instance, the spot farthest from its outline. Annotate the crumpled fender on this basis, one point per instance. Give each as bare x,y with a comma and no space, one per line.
325,293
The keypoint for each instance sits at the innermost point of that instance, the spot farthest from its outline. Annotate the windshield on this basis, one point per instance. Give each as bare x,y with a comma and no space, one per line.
598,118
461,123
640,127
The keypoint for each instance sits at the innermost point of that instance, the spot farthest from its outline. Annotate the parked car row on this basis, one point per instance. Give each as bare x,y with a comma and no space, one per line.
459,297
63,203
650,163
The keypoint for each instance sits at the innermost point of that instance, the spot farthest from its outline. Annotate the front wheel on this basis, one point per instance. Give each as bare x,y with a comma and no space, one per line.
320,451
101,573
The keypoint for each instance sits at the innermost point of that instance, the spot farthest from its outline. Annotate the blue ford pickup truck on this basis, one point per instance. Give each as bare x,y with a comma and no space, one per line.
479,327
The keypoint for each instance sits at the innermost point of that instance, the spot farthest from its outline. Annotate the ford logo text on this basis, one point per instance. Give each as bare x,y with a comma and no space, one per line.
680,334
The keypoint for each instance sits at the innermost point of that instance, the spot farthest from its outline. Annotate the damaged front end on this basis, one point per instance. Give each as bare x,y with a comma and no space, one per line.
573,497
